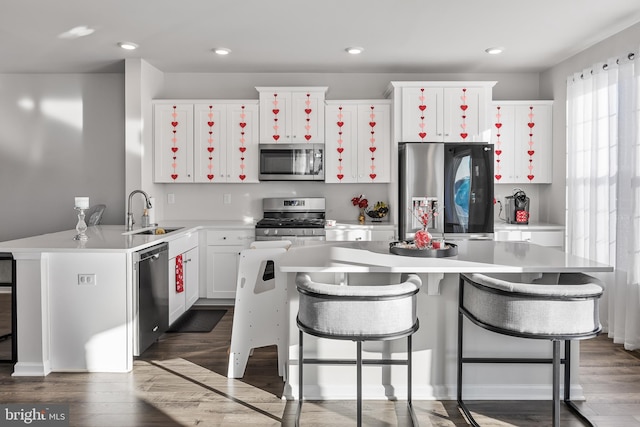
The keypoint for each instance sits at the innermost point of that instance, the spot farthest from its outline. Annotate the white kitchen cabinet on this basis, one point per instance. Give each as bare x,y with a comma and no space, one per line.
358,141
521,132
444,111
291,114
227,152
187,248
173,142
543,235
216,141
356,232
223,251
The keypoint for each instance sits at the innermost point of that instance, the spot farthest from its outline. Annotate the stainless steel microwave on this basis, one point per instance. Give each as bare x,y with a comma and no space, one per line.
291,162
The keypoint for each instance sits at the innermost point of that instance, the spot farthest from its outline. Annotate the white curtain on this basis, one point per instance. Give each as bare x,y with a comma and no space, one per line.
603,185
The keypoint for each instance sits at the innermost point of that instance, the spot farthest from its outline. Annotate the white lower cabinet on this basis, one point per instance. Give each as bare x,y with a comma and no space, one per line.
223,250
187,248
543,236
354,233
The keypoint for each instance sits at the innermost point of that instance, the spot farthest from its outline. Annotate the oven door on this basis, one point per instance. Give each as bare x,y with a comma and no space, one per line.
291,162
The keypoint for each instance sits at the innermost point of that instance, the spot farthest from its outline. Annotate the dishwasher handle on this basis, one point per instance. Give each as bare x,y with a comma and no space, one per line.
153,252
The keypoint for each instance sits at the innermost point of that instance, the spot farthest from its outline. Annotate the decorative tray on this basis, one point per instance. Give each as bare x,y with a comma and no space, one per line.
408,248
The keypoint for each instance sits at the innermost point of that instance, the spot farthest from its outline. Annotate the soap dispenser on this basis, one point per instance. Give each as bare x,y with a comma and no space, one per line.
144,220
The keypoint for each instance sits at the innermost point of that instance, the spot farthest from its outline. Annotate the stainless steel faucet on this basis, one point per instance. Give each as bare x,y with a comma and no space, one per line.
130,220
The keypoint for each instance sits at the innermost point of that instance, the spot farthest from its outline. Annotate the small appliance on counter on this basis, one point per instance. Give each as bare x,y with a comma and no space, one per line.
517,207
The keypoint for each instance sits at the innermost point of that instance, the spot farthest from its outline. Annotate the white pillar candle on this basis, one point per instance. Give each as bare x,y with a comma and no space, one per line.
82,202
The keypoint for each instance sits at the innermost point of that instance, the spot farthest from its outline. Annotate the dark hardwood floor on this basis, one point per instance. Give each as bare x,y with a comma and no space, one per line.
181,381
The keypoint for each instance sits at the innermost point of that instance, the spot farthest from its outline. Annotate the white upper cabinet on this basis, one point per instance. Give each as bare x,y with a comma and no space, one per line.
358,141
206,141
291,114
228,151
173,142
522,137
444,111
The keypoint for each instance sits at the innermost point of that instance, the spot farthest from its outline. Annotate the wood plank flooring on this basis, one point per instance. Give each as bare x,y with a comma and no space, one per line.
181,381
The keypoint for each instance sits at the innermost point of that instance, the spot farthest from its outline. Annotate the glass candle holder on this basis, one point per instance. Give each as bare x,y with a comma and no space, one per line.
81,226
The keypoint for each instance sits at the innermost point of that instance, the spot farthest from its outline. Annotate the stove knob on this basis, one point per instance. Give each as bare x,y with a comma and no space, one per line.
275,231
265,232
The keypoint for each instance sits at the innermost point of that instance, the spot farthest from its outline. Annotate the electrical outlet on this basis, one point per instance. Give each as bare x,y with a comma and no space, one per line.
87,279
171,198
226,199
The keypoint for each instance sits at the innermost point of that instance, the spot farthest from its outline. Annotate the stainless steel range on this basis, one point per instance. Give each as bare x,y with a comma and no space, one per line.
292,219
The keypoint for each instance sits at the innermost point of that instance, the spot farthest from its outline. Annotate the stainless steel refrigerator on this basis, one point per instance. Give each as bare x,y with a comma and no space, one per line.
453,179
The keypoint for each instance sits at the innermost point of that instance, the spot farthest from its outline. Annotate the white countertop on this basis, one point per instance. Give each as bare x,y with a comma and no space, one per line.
474,256
111,238
538,226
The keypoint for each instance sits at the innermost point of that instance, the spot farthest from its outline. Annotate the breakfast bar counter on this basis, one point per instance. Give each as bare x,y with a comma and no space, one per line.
434,344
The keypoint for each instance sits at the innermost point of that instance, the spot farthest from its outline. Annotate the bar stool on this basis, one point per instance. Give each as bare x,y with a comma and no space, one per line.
357,313
556,307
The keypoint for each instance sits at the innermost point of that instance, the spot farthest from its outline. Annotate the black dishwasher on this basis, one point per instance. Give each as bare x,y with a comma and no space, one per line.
152,274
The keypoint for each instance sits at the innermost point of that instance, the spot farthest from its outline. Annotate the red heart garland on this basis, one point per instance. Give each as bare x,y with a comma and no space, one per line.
242,177
242,149
498,152
340,176
340,124
464,107
174,149
276,137
242,124
372,149
372,124
210,177
174,175
210,124
530,152
498,125
275,111
498,177
340,150
307,137
531,125
372,175
174,124
307,110
210,149
422,135
422,107
463,135
530,177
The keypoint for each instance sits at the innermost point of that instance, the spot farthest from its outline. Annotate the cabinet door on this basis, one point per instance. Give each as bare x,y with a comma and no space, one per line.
210,142
173,142
191,277
346,234
422,114
275,117
242,143
222,271
374,143
502,119
464,114
341,152
533,144
307,117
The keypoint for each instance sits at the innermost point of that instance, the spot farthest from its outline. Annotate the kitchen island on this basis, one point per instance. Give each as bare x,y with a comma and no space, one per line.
435,343
76,300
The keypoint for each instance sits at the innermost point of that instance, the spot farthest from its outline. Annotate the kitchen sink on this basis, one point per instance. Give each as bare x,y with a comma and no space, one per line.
152,231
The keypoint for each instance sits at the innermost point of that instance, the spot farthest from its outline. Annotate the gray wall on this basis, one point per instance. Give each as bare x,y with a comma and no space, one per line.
61,136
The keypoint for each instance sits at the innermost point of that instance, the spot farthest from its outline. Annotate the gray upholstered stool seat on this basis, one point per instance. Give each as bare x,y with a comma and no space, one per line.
557,307
357,313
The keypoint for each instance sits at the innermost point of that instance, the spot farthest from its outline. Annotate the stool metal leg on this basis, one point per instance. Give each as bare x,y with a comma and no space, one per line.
359,385
556,383
567,385
300,369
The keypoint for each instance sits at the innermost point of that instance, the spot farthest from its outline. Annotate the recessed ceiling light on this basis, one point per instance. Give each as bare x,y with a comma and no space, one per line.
128,45
222,51
76,32
494,50
354,50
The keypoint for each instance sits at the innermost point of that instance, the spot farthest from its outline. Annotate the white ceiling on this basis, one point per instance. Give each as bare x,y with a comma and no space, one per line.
306,35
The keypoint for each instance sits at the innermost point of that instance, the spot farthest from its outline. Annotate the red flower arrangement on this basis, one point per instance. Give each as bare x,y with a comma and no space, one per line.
360,202
422,238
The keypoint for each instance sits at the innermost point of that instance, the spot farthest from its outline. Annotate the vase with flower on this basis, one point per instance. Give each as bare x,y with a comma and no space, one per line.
362,204
422,238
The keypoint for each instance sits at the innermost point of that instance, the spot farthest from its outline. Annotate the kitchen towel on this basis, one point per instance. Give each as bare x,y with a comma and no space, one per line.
179,274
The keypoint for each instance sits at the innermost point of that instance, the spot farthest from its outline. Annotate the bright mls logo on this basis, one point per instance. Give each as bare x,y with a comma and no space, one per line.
42,415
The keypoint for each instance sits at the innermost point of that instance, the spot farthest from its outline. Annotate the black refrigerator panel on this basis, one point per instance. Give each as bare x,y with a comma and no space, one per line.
468,188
